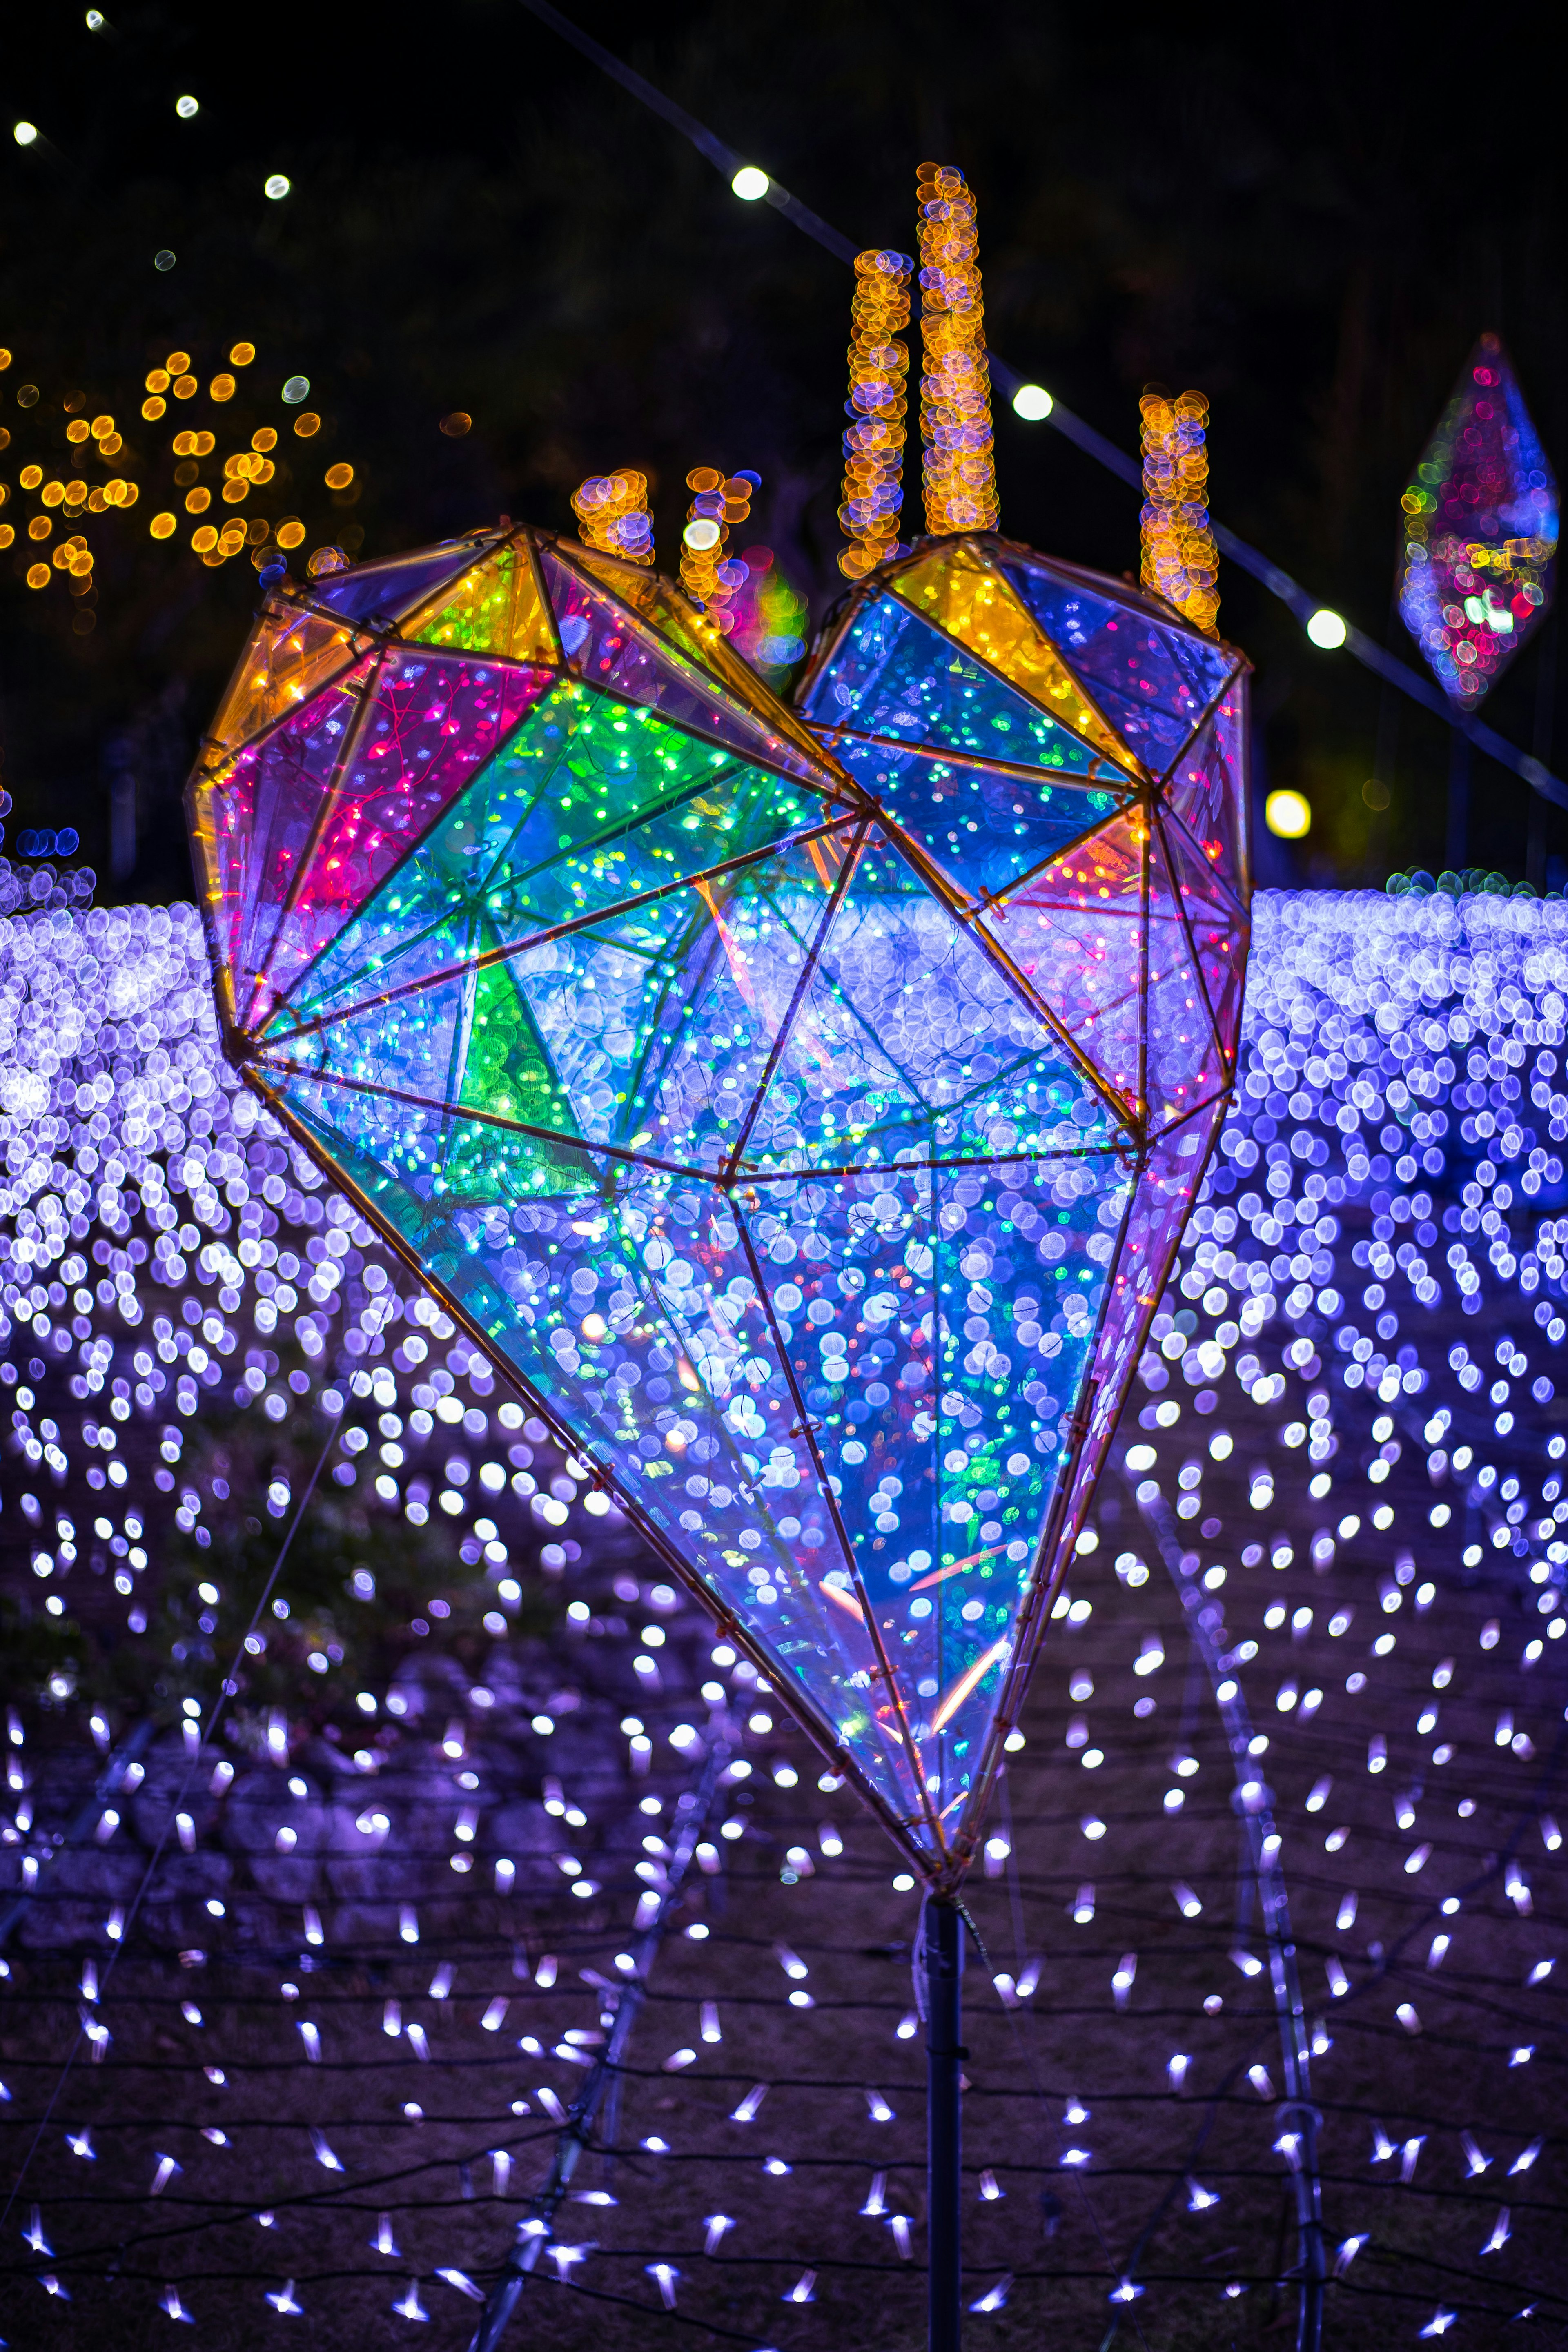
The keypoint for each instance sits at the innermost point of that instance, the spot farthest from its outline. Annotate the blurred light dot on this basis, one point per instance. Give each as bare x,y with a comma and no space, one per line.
276,188
25,133
1032,401
456,425
297,389
1327,629
185,107
164,260
95,20
1289,815
703,533
748,184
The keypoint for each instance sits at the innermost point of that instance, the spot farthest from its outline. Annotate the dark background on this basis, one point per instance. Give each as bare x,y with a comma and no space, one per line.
1310,218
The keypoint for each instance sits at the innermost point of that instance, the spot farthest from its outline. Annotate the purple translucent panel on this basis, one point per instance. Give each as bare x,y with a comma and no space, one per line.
1480,531
1183,1066
267,810
894,675
981,828
1154,680
587,804
1217,930
1205,790
382,590
911,1042
430,723
683,1397
608,647
1076,932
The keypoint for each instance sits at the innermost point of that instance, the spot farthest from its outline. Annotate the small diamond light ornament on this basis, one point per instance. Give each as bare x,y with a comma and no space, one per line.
1480,532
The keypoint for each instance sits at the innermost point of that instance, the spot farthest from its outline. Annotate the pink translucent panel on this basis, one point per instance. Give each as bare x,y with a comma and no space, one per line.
430,724
1074,931
1208,791
1183,1065
1217,929
266,809
608,645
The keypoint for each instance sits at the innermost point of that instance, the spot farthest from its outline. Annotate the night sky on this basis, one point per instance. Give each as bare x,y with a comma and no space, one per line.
480,221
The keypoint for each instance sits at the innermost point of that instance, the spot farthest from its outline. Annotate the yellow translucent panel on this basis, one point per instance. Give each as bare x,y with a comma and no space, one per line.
496,608
679,623
961,593
290,654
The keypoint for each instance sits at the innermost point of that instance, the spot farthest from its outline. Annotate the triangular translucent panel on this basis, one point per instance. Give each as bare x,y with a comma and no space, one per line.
497,608
982,825
938,1323
1183,1066
290,654
266,809
1154,680
1217,929
909,1039
894,675
589,803
626,1301
959,588
1203,790
610,646
429,723
383,591
661,603
1077,933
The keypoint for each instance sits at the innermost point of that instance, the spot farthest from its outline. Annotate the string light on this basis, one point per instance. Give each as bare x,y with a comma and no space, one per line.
613,514
874,443
958,473
1181,562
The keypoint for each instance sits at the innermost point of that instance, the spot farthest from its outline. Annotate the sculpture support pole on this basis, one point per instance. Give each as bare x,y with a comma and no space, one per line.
945,2130
1459,841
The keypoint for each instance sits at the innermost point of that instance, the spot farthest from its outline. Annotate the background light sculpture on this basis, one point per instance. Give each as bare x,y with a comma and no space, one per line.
1480,531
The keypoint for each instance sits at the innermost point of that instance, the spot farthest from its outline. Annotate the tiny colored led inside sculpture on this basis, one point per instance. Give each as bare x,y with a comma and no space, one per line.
1480,531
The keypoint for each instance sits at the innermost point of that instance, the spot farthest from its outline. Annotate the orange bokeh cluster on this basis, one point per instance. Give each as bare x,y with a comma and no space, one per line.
874,444
708,576
612,514
959,474
1181,562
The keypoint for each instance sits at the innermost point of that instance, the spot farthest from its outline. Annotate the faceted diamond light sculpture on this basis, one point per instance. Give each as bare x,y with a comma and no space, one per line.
1480,531
807,1137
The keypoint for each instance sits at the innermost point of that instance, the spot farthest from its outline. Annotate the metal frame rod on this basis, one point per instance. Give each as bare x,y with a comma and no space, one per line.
942,1959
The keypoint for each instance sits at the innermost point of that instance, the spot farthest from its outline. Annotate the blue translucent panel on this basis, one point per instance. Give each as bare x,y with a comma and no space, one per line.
1154,680
982,827
893,675
937,1325
910,1040
626,1301
382,590
1217,930
588,803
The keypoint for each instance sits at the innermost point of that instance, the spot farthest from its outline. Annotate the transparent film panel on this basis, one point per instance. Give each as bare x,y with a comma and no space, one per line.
982,826
1153,681
1217,927
497,608
381,590
431,720
609,646
1206,792
959,588
291,653
1183,1066
1077,934
894,675
937,1322
910,1038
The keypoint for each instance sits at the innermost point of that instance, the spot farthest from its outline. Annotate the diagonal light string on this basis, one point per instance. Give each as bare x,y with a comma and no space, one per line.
228,1687
1278,583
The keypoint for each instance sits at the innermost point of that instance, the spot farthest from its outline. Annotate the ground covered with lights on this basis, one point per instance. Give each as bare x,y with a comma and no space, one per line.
325,1877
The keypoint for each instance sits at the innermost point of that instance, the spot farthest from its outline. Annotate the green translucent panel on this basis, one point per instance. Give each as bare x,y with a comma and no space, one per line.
498,608
589,803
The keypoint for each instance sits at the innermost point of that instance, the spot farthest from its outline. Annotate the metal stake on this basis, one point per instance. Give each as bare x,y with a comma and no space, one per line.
944,2128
